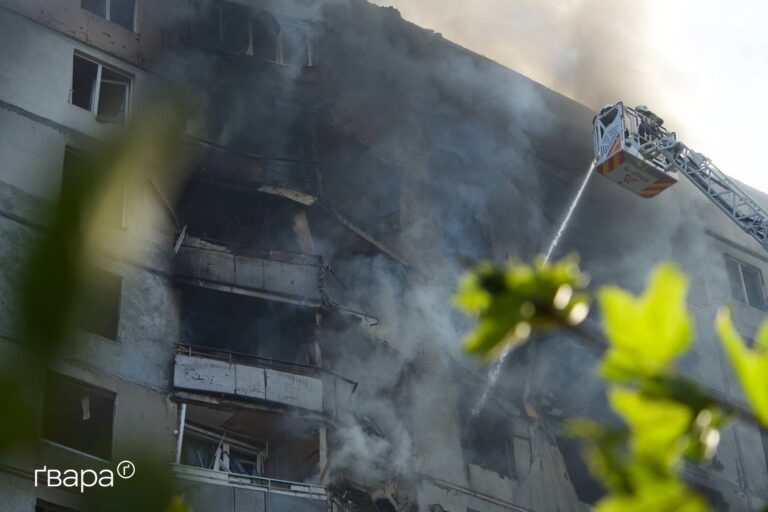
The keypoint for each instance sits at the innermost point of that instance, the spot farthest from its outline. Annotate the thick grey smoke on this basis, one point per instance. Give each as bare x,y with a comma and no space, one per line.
482,164
590,50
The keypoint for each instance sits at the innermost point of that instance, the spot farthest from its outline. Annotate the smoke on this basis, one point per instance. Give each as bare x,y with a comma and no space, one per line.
593,51
480,163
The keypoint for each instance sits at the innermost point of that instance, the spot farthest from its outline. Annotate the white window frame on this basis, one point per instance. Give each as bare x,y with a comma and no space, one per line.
740,265
95,93
108,13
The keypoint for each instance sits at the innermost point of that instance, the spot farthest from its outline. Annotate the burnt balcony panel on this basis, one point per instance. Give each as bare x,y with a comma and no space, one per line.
225,373
292,278
202,372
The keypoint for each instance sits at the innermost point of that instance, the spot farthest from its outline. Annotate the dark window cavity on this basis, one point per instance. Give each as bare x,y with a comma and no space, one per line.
78,416
265,32
99,311
746,282
77,177
100,89
488,443
121,12
587,489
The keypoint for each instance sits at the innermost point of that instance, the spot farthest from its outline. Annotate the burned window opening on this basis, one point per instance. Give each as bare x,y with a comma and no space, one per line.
100,89
245,325
235,29
487,442
78,416
235,220
259,444
588,490
121,12
219,452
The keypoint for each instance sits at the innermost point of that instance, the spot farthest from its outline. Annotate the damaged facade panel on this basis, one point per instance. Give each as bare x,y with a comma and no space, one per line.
280,276
239,379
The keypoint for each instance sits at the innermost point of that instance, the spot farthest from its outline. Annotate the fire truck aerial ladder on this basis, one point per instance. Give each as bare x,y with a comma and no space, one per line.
633,149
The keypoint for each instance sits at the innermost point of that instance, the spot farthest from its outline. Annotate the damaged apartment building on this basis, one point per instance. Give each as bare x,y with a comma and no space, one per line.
285,341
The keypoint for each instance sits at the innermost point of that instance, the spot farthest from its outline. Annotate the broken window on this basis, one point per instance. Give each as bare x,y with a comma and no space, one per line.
246,325
249,442
219,452
294,46
46,506
122,12
77,170
264,37
78,416
488,443
99,311
746,282
102,90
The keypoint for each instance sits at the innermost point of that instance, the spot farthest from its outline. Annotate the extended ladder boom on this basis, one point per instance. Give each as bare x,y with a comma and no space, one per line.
635,150
721,190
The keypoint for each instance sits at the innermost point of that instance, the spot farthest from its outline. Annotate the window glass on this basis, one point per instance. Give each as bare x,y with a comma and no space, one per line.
122,12
113,96
78,416
97,7
84,75
734,279
753,285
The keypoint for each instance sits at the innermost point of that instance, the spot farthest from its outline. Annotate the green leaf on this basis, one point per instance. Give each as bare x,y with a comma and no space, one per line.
656,425
667,496
648,332
751,365
511,302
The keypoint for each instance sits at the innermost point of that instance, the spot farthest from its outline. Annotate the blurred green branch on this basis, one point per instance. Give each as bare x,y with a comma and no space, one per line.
667,416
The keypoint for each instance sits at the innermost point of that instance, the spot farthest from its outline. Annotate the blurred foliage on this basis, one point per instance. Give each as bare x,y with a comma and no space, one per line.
52,280
751,364
510,302
666,417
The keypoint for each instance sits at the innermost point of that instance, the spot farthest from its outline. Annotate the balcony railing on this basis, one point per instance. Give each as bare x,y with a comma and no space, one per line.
256,483
293,278
248,376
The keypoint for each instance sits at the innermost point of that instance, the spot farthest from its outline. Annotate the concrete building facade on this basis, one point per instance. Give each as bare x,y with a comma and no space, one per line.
279,330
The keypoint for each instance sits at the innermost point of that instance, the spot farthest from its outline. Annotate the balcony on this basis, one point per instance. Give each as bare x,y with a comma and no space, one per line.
273,275
230,491
249,377
293,178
